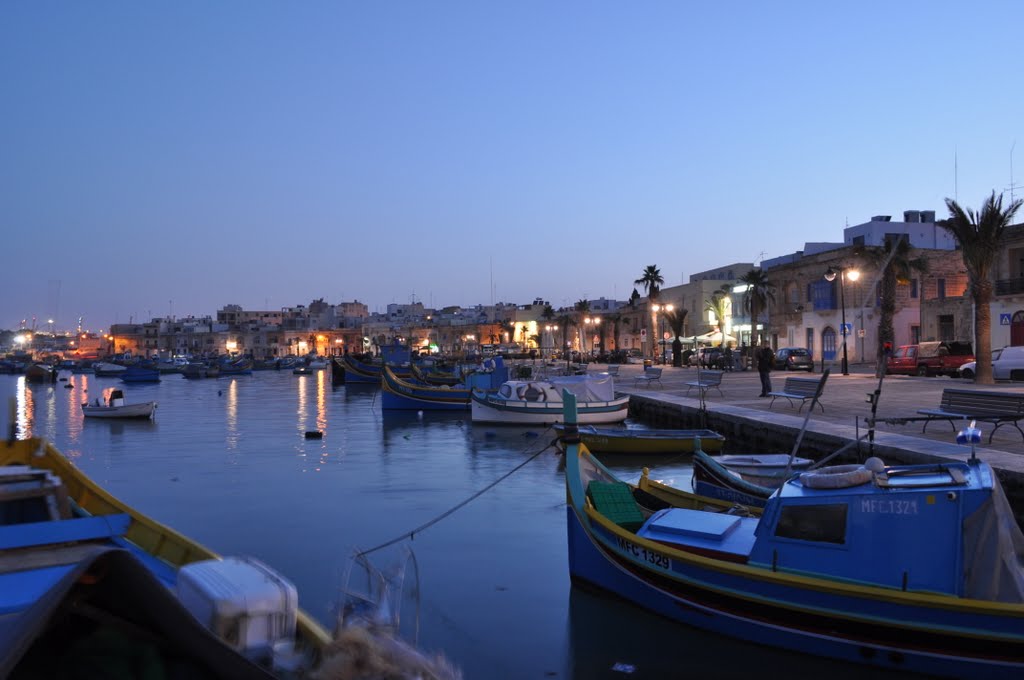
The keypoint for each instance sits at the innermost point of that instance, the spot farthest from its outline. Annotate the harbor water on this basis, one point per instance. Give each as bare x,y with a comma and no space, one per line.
227,462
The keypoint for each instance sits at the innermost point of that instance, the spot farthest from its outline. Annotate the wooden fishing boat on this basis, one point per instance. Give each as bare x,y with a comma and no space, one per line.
140,373
915,568
649,442
524,402
357,371
242,366
765,469
84,579
116,407
88,562
712,479
399,393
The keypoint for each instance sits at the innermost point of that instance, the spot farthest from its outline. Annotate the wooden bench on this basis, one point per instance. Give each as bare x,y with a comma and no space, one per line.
706,380
799,389
998,408
650,375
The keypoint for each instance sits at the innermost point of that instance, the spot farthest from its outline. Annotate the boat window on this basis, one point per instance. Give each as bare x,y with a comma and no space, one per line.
505,391
824,523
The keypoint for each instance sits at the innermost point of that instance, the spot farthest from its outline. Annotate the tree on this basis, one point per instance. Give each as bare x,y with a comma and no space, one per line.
676,321
615,318
582,308
979,236
651,281
718,304
509,327
565,321
760,292
896,265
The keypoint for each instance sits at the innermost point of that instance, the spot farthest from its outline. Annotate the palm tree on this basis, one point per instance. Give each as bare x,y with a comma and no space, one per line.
979,236
760,292
676,321
894,260
564,322
717,304
651,281
582,308
615,318
509,327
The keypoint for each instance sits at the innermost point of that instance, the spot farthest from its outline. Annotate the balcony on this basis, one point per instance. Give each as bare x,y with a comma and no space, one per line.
1010,286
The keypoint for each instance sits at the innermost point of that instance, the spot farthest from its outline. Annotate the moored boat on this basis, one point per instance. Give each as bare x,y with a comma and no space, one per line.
41,373
137,373
107,369
914,568
116,407
539,402
90,586
399,393
766,469
105,567
651,442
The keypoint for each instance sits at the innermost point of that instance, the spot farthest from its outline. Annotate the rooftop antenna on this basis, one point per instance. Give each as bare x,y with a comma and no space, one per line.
491,259
1013,185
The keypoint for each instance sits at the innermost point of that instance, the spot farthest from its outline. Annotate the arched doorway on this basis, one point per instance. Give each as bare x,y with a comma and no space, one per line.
1017,329
828,344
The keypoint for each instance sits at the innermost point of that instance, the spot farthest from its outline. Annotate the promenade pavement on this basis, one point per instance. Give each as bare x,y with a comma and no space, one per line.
845,399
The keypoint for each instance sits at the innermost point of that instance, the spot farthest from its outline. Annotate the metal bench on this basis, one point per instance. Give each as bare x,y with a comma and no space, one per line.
650,376
705,381
998,408
799,389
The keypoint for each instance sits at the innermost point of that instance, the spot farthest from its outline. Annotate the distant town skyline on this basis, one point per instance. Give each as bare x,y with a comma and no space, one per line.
170,159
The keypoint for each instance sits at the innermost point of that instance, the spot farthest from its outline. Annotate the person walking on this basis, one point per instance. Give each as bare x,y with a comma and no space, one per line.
765,361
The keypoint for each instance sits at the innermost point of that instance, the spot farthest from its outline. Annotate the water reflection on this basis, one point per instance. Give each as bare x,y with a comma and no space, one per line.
26,408
231,414
611,638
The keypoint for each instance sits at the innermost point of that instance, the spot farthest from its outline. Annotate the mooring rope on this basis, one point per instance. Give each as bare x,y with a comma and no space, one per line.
446,513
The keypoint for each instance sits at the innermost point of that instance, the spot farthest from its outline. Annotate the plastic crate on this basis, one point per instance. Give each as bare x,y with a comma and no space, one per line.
615,501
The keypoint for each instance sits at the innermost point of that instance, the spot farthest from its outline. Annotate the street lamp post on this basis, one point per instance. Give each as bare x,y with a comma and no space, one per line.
830,275
657,310
550,328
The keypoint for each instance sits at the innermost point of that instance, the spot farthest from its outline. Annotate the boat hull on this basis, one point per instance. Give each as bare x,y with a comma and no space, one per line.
143,410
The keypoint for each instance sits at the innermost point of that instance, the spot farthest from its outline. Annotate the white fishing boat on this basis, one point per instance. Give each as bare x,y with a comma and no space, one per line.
117,408
539,402
106,369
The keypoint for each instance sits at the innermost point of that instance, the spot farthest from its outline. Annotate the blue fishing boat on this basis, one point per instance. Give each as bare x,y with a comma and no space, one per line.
915,568
91,588
360,372
140,373
98,581
241,366
398,393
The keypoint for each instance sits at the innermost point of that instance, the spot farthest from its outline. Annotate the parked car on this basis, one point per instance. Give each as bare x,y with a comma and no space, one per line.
1007,364
930,358
794,359
706,357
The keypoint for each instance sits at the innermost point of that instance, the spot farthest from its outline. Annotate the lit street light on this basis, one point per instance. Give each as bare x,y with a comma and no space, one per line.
658,309
843,274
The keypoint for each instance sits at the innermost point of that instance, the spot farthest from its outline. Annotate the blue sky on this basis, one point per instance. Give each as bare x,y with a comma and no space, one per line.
161,158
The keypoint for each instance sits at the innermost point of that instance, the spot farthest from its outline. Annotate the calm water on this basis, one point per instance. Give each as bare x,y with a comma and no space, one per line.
226,462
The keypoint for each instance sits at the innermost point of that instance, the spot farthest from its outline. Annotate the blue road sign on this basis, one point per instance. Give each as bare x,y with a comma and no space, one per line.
847,328
1004,319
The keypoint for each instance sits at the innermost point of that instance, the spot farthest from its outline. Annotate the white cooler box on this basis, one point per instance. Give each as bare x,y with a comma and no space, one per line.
243,601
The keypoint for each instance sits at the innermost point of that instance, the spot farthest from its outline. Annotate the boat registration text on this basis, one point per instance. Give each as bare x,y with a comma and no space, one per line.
641,553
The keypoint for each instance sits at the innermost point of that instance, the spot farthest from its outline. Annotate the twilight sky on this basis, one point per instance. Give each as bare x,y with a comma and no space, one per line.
171,158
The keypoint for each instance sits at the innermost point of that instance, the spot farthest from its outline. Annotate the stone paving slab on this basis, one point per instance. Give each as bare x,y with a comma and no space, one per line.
845,399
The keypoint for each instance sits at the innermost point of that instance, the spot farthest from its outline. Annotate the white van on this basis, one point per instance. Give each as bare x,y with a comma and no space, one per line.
1007,364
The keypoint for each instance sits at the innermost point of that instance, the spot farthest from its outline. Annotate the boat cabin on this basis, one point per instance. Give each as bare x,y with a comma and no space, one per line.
944,528
116,398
